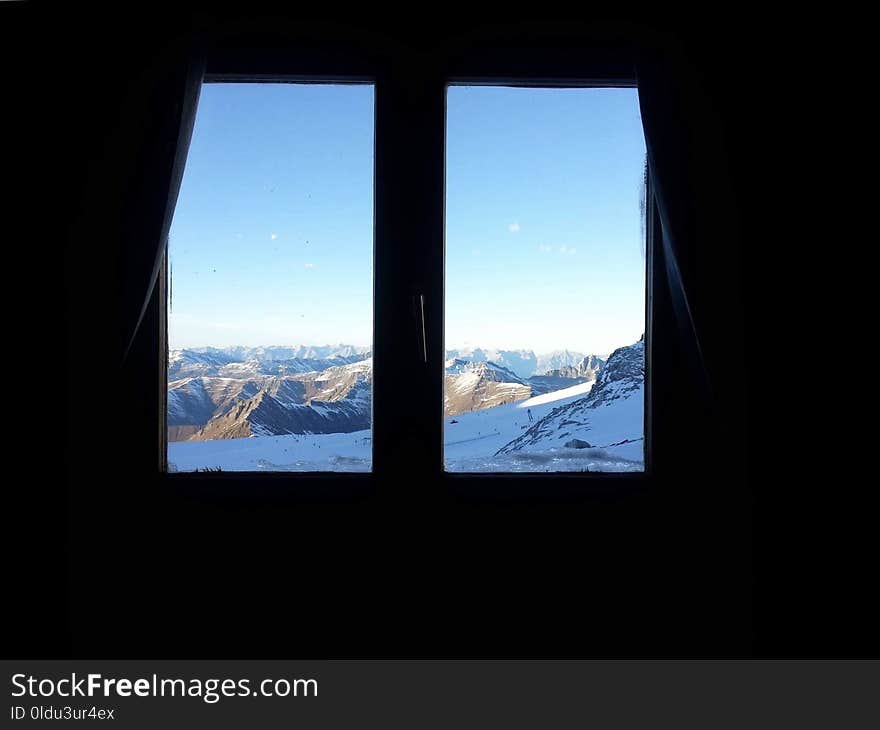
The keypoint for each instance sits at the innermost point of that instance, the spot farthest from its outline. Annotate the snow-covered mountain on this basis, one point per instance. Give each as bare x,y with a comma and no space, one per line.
558,359
334,400
236,392
472,386
588,368
525,363
610,417
239,353
522,363
239,362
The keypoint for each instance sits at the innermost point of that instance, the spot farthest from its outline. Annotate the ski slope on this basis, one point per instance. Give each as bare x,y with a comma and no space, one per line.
470,437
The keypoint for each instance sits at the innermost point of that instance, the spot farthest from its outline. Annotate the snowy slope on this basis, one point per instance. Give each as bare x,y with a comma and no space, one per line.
609,421
471,439
324,452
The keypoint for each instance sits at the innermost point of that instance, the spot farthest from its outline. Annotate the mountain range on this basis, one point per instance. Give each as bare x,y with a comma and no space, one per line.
525,363
336,399
238,392
320,420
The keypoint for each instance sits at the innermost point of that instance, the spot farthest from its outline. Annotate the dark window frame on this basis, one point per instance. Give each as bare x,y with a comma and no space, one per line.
409,132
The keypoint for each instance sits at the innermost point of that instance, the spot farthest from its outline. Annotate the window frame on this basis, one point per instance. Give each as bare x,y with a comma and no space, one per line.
403,91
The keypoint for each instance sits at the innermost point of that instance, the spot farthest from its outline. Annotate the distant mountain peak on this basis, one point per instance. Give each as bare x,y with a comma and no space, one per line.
472,386
525,363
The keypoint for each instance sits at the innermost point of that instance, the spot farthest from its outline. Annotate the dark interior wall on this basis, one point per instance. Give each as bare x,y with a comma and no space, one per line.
120,564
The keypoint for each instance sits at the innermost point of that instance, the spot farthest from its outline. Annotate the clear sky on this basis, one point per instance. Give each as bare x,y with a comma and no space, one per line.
544,248
273,233
272,238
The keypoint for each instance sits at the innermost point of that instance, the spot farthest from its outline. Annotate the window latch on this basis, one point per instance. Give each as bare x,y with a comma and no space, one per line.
419,312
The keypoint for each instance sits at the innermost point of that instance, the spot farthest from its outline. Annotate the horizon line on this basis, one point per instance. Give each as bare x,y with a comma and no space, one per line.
595,353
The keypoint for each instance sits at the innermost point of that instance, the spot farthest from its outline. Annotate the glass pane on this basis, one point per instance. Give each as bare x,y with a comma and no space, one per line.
545,280
270,259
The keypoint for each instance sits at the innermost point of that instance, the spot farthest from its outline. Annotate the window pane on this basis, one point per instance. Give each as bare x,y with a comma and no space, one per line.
545,280
270,259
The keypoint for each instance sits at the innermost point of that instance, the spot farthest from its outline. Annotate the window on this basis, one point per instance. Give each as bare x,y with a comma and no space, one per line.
270,282
545,280
495,235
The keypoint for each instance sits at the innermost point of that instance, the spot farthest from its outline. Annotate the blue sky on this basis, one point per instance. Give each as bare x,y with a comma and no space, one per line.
272,238
273,233
543,242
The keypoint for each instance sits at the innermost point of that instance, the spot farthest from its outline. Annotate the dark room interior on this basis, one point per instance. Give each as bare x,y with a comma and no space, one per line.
721,551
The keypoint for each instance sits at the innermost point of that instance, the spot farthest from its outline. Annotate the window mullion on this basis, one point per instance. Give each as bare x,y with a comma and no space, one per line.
408,369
